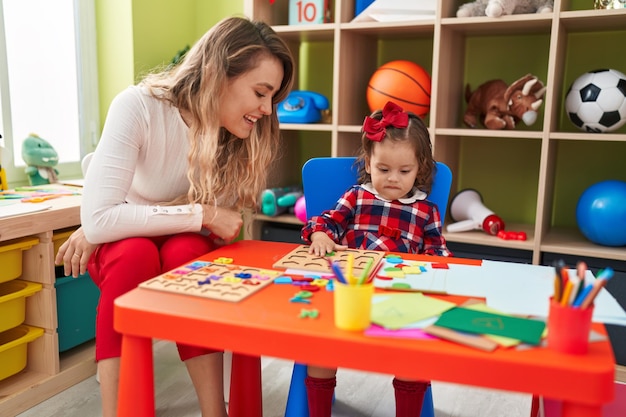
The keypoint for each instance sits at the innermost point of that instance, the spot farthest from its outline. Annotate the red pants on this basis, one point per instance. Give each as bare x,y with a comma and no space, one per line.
118,267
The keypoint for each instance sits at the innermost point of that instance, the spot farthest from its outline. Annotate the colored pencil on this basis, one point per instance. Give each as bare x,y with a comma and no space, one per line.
349,263
598,284
366,271
337,271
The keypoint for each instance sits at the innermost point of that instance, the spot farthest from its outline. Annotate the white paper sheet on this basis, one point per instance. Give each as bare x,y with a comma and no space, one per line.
526,290
22,208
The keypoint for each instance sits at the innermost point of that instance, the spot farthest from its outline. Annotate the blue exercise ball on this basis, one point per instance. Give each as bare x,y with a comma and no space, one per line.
601,213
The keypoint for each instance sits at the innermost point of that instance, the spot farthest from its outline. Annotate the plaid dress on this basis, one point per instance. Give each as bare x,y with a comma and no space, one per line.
363,220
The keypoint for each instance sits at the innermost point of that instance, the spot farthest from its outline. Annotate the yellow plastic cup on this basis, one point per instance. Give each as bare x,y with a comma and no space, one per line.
353,306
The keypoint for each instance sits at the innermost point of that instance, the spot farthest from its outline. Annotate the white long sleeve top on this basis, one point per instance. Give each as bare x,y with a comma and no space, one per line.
140,162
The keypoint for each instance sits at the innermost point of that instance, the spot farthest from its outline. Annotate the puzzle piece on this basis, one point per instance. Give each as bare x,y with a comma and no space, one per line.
412,276
218,280
301,259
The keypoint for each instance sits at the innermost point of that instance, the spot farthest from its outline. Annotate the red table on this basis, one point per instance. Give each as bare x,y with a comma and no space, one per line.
266,323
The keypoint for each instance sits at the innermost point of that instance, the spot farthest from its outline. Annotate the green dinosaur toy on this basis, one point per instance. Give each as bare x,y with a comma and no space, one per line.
41,159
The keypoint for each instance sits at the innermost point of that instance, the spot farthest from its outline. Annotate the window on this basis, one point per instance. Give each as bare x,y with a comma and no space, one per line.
48,81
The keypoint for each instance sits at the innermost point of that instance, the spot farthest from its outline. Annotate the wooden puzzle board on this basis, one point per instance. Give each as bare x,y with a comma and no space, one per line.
412,276
301,259
220,281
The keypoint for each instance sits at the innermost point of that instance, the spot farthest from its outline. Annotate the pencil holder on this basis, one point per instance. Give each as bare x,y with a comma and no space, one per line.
568,328
353,306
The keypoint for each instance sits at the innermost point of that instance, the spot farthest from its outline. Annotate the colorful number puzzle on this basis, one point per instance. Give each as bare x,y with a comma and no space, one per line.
220,280
405,275
300,258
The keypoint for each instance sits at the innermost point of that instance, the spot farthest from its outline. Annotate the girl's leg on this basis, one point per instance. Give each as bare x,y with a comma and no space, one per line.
117,268
205,366
320,387
409,397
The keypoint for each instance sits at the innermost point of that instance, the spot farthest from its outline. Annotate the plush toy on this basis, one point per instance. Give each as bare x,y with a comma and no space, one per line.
497,8
41,159
500,106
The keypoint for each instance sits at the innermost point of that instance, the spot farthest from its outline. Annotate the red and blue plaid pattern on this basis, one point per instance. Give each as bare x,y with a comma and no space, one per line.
360,220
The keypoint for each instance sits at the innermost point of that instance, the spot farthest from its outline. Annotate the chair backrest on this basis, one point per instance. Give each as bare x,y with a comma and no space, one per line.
325,179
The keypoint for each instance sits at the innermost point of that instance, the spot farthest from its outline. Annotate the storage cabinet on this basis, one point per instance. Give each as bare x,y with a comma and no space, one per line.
531,176
47,371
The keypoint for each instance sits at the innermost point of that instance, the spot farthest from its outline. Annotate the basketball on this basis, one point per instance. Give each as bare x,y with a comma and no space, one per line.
403,82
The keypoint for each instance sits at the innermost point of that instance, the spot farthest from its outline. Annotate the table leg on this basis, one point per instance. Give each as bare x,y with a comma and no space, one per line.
136,386
245,387
580,410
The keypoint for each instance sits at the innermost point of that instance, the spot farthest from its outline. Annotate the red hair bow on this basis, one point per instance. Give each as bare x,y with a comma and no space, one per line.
393,115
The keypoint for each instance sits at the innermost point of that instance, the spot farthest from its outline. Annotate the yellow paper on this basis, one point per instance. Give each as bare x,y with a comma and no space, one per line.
396,310
412,270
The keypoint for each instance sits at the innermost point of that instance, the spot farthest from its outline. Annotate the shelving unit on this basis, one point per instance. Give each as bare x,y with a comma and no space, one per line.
47,371
531,176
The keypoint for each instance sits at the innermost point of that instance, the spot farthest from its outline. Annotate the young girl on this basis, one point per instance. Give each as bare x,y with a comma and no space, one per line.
386,211
181,154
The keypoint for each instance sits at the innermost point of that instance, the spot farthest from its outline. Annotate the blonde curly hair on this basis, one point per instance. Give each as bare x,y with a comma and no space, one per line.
223,169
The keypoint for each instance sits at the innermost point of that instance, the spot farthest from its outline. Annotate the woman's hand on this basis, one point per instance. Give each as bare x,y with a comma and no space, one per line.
224,223
321,244
74,254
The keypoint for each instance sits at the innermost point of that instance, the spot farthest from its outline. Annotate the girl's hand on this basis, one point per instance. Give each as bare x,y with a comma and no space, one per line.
224,223
74,254
321,244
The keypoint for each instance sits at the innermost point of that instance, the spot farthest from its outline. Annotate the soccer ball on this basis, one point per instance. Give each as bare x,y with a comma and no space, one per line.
596,101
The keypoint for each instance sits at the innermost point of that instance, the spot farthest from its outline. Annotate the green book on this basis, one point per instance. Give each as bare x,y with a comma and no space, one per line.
473,321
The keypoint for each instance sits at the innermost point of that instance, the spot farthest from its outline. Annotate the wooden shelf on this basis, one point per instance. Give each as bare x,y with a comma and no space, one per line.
302,126
47,372
455,51
478,237
572,242
254,223
485,133
593,20
283,218
390,30
606,137
323,32
28,388
505,25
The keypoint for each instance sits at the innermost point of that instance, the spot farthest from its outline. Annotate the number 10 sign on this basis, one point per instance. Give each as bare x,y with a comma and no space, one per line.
305,12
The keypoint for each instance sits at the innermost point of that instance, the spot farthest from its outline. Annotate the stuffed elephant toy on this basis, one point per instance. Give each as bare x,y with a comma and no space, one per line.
500,106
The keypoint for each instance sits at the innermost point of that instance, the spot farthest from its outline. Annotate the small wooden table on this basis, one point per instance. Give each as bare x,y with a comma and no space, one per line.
266,323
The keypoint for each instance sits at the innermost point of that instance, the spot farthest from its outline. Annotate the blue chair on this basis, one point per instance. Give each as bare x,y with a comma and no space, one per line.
324,180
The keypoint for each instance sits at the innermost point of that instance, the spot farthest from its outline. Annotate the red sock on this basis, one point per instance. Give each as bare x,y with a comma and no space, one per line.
409,397
320,394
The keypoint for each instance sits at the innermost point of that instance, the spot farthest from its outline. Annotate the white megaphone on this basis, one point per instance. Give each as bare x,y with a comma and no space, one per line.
469,213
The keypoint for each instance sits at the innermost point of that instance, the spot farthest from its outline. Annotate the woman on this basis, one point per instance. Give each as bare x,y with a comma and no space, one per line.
181,154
